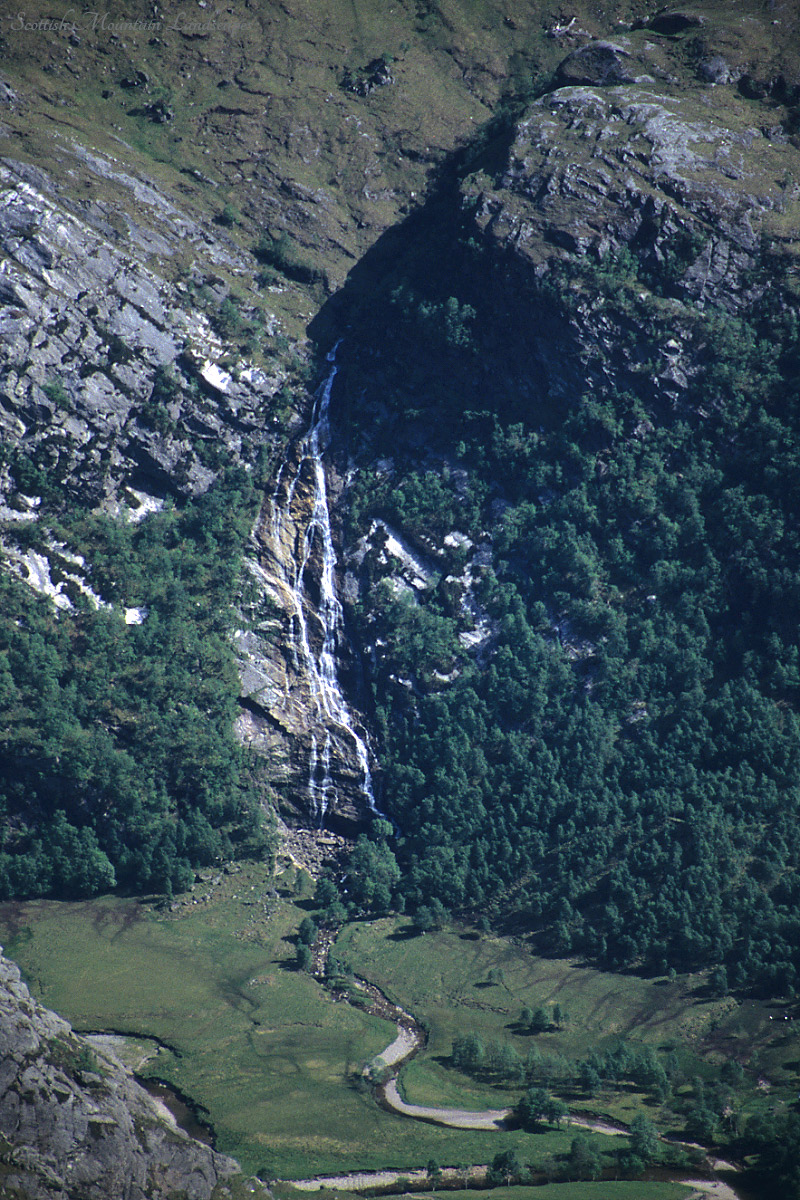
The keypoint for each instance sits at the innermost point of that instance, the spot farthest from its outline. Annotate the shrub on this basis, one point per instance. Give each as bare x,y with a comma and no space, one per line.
55,391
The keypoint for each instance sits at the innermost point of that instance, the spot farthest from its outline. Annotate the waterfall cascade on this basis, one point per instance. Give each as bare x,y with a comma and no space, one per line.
316,628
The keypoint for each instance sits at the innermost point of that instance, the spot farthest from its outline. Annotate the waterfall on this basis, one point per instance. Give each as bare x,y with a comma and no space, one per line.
318,660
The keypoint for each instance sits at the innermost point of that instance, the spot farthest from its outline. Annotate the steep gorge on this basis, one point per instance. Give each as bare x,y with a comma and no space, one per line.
586,282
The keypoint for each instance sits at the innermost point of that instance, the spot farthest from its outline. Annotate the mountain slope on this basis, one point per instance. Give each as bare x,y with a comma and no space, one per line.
178,195
563,255
582,420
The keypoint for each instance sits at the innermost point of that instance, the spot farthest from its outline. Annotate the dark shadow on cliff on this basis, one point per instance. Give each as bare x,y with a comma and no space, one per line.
445,327
411,250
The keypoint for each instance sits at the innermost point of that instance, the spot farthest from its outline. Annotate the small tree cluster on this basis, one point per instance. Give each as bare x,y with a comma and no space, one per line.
539,1107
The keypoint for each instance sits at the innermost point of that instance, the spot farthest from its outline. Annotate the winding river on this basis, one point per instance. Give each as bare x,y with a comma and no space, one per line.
384,1070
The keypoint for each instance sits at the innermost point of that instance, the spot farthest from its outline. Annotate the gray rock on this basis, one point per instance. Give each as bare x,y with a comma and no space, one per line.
83,307
599,63
591,171
74,1125
715,70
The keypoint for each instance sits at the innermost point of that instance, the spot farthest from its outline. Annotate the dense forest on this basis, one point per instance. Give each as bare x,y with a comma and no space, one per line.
616,767
118,763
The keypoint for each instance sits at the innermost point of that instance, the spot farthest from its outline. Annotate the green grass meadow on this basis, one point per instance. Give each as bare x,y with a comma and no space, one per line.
603,1190
263,1048
596,1190
276,1061
442,978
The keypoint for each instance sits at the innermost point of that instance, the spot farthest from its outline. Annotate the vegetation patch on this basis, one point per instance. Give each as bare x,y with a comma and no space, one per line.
119,763
273,1058
276,1061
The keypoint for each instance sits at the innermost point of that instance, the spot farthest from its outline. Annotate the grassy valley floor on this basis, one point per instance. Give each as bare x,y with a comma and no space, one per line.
597,1190
270,1056
275,1061
459,982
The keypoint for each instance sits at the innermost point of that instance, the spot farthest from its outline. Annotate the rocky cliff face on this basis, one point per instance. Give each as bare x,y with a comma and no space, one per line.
689,200
120,395
75,1126
312,746
691,179
111,379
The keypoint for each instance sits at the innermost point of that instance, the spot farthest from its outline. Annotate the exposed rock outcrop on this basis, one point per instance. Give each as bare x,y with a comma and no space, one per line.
110,377
74,1125
593,171
683,203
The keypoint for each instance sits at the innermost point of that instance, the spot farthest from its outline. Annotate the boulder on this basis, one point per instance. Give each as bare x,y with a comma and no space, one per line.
599,63
675,21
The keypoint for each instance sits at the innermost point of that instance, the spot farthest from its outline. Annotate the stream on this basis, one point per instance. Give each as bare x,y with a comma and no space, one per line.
385,1067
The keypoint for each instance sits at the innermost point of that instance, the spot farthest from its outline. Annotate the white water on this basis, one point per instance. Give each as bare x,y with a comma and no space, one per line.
318,660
